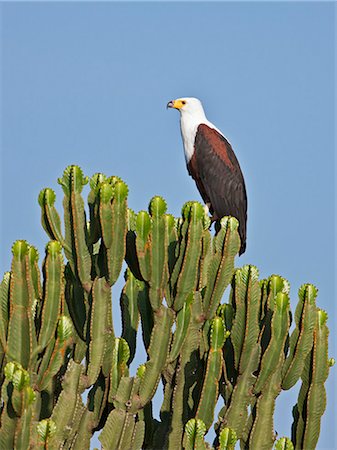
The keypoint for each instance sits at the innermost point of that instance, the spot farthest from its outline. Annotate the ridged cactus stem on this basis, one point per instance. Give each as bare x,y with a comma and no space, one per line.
158,255
188,262
53,293
182,324
146,313
195,430
228,439
98,330
4,309
221,266
273,357
113,220
50,218
302,337
119,368
157,352
94,228
76,239
130,312
312,396
244,336
186,376
55,354
68,401
18,402
143,246
21,339
122,431
210,389
262,434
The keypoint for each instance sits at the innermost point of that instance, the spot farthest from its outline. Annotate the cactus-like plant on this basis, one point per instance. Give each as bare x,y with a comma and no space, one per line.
57,339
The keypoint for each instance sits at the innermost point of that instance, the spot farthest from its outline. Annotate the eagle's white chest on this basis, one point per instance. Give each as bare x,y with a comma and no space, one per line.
188,132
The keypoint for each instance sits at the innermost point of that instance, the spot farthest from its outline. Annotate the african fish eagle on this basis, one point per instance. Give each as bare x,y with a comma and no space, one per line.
212,164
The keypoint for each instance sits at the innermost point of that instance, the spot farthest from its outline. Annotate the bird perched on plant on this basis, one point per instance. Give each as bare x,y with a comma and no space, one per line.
212,164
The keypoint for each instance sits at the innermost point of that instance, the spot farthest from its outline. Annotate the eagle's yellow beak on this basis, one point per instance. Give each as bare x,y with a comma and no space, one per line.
177,104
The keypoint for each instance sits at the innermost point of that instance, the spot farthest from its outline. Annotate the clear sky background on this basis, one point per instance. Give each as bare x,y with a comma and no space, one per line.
87,84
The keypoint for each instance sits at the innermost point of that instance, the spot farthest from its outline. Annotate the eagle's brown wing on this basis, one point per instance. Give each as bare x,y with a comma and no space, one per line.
218,176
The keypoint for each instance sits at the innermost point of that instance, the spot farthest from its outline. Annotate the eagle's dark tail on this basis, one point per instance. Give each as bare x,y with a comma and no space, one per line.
243,246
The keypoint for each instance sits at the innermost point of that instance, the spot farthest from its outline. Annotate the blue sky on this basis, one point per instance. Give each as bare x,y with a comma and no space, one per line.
87,84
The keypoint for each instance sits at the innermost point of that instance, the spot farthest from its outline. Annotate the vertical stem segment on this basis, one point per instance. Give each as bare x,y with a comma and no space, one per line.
76,232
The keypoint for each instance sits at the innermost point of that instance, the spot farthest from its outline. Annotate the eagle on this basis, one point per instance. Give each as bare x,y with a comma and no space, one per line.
212,163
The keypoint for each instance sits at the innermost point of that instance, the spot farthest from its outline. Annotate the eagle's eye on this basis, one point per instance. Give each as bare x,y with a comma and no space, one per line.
183,102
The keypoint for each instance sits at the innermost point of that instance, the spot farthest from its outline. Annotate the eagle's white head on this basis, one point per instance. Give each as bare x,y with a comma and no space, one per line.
188,107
